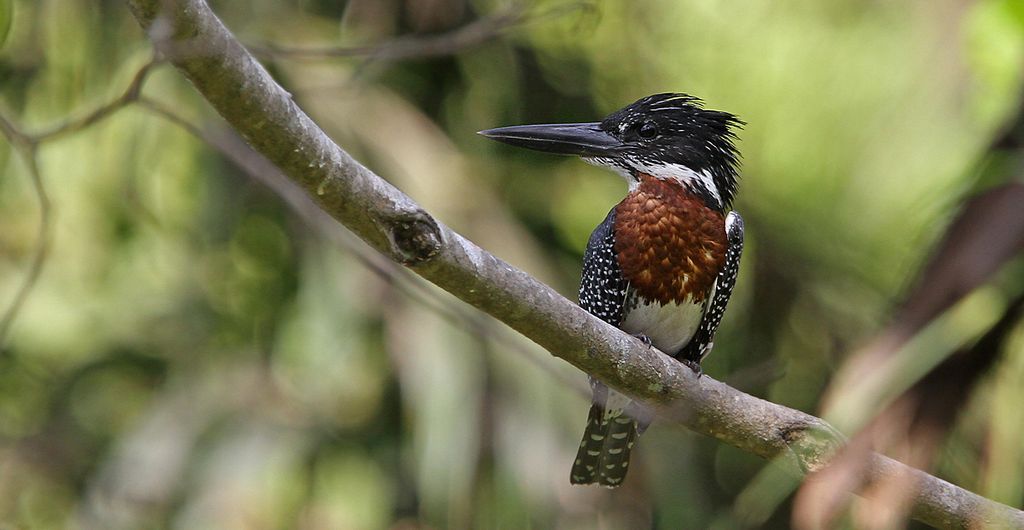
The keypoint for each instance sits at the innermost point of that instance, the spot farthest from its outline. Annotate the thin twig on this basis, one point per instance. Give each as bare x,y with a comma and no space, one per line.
166,113
471,35
129,95
27,149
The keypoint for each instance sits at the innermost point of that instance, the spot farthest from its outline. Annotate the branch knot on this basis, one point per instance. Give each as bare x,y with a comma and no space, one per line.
415,237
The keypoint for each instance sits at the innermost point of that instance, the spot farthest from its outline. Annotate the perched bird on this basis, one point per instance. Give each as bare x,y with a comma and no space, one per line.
664,261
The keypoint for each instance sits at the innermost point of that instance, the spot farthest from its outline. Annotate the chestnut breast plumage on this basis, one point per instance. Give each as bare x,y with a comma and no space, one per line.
669,244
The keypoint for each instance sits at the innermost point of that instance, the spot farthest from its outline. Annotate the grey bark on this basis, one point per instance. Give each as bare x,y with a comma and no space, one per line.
188,33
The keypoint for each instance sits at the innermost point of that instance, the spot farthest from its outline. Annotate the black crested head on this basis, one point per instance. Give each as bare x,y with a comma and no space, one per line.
668,136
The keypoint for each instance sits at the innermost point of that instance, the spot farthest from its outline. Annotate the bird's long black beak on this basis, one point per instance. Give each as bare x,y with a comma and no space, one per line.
584,139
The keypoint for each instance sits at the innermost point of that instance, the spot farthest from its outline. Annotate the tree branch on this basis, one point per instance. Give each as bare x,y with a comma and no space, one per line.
189,35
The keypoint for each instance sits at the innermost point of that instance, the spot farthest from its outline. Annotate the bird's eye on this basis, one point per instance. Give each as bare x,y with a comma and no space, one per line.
648,130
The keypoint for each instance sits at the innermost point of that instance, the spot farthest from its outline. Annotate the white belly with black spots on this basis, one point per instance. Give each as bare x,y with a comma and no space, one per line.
669,326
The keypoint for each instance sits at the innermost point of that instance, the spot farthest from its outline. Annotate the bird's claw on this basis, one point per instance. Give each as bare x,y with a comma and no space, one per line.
644,339
695,366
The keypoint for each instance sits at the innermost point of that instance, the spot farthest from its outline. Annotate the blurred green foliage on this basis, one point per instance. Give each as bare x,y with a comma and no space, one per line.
196,355
6,14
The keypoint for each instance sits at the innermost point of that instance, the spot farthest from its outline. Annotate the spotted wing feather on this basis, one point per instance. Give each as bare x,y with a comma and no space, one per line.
602,288
703,340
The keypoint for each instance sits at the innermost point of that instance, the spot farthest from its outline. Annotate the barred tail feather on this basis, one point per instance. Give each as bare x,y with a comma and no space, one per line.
584,468
603,457
622,433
